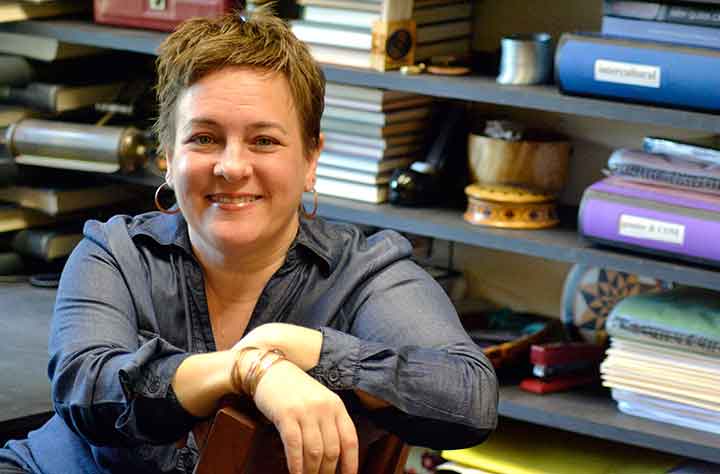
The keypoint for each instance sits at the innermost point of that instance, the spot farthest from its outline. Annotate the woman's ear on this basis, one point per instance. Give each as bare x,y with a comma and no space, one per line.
312,164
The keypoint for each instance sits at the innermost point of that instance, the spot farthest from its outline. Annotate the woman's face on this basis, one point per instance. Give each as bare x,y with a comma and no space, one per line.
238,165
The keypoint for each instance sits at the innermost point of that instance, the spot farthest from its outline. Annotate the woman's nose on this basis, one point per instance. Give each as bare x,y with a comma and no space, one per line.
234,163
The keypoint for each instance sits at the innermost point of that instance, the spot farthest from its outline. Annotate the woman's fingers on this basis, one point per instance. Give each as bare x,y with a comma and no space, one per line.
348,443
313,449
313,422
292,439
331,444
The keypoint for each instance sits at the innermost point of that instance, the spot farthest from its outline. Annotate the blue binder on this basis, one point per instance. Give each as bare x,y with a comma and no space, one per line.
638,71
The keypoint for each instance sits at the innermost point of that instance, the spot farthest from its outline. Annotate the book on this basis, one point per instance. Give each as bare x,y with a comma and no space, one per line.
372,193
57,98
13,217
47,244
17,11
685,318
42,48
355,176
320,33
694,35
366,19
372,95
374,7
409,102
369,142
702,149
687,13
639,71
377,118
361,38
377,153
371,130
61,200
359,163
357,58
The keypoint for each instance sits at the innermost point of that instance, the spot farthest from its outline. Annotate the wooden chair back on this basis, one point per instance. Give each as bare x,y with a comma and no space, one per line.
242,441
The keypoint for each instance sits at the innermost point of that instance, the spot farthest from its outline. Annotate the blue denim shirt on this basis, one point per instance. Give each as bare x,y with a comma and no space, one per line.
131,307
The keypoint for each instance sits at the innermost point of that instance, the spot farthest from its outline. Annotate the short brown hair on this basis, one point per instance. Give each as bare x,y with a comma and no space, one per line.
200,46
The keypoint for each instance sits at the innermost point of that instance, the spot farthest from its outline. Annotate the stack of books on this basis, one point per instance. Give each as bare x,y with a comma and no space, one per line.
664,358
660,51
369,132
664,198
340,31
41,216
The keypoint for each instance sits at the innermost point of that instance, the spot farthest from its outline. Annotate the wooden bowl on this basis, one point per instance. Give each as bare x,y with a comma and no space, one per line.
540,164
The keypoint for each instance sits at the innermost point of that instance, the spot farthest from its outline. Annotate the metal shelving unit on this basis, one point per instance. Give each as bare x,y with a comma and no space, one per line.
470,88
590,413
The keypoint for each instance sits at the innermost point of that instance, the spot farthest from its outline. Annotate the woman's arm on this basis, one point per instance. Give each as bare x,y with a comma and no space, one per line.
406,357
110,378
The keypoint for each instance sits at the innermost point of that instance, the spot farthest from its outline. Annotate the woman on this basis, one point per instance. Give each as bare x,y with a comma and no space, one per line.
242,292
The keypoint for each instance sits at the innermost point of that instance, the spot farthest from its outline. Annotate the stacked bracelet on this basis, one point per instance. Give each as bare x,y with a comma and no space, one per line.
236,379
267,360
258,367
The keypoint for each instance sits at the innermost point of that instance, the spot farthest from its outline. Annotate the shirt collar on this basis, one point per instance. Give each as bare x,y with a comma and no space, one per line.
171,230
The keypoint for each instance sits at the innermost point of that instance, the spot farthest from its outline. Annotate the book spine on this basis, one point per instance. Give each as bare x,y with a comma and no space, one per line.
701,14
624,326
39,96
639,71
703,36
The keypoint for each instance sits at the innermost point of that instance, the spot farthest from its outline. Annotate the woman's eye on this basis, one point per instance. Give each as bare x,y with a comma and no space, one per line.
264,141
202,140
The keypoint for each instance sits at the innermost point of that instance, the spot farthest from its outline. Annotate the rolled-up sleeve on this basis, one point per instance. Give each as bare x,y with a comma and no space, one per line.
110,379
406,346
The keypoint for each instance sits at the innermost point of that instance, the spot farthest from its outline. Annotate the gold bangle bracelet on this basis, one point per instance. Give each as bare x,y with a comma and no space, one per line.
263,368
247,380
236,380
252,373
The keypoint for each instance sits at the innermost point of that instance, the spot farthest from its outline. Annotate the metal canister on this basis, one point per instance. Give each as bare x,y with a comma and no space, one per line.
525,59
55,144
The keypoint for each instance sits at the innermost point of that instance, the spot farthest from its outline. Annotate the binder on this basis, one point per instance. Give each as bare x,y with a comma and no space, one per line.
638,71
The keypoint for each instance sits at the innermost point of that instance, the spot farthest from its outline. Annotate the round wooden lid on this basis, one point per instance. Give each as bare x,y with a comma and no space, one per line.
503,193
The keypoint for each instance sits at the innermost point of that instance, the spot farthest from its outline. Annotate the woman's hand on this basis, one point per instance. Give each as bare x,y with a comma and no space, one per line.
314,425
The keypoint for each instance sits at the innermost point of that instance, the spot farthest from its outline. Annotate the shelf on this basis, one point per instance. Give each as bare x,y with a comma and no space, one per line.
594,413
470,88
560,244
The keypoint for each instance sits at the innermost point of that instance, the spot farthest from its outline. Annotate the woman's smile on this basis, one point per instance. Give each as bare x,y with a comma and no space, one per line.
231,202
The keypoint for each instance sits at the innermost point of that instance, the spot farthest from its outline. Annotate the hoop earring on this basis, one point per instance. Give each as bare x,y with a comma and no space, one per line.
159,206
310,215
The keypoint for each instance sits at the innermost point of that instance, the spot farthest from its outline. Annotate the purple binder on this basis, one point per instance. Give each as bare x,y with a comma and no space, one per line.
654,219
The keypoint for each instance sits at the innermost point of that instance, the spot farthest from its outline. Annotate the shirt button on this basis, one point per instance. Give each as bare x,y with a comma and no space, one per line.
333,375
154,386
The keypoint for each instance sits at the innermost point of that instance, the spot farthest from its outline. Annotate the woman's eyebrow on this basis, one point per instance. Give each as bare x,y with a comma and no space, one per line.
268,124
198,121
